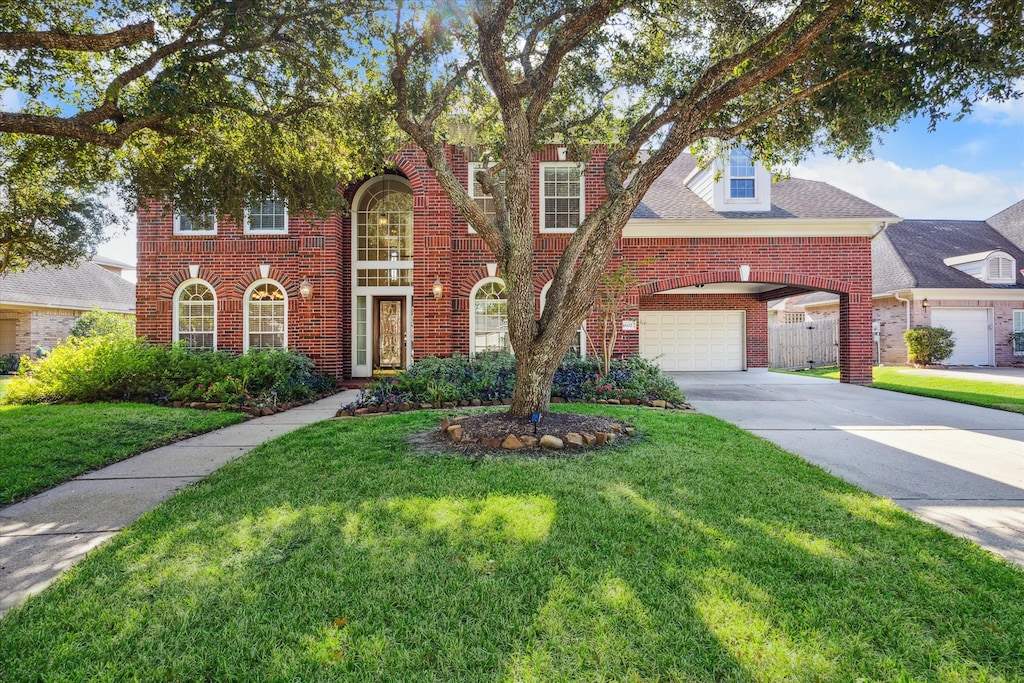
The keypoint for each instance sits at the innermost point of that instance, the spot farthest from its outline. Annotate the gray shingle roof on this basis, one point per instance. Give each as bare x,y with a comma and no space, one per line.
78,287
669,198
910,254
1010,223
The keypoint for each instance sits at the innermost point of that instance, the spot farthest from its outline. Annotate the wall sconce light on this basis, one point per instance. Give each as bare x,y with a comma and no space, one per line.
306,289
438,288
744,273
924,303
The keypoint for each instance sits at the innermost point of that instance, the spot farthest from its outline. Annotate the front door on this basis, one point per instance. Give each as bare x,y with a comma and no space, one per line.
389,333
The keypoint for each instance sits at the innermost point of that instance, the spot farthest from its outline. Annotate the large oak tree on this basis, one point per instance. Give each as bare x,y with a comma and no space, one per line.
652,78
211,102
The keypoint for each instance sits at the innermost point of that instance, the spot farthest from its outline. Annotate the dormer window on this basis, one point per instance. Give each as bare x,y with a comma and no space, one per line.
993,267
1000,268
741,174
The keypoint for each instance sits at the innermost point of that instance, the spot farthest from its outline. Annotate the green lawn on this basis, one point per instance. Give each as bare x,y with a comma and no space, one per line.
697,552
1000,395
47,444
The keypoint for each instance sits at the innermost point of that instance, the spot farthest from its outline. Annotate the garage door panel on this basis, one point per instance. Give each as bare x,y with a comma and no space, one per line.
686,341
972,334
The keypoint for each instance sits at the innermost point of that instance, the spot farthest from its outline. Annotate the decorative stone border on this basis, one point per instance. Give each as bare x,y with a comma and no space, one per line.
348,411
252,411
515,442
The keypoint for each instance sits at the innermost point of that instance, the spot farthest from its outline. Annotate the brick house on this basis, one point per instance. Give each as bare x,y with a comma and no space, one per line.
401,275
966,276
39,306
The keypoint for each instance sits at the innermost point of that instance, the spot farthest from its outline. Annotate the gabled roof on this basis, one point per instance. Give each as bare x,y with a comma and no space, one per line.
78,287
1010,223
914,253
669,198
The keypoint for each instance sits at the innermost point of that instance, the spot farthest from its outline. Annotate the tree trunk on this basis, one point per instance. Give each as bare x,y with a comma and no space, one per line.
535,373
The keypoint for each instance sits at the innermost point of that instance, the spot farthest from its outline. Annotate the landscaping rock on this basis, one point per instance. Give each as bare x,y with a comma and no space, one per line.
589,439
475,402
557,399
614,402
490,442
574,439
658,403
455,433
512,443
630,431
445,424
267,411
551,442
528,440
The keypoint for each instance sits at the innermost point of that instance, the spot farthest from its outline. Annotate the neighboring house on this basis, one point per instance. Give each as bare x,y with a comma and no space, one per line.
965,276
402,276
39,306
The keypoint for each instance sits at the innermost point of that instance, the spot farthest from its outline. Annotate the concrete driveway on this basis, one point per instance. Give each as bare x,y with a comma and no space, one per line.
958,466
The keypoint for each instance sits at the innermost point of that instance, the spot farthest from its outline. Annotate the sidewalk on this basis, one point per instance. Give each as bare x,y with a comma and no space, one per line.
48,533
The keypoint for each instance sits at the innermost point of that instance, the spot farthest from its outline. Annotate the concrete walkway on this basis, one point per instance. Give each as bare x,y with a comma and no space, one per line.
958,466
46,534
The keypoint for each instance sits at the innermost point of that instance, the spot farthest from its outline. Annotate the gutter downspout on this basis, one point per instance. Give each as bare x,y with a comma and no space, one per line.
907,304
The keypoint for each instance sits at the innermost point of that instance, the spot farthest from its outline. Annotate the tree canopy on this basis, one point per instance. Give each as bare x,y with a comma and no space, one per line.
208,102
651,78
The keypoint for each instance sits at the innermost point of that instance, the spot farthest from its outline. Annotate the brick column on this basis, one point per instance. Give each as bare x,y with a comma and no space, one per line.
855,340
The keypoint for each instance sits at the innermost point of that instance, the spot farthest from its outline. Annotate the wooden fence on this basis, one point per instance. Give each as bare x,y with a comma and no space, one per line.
801,345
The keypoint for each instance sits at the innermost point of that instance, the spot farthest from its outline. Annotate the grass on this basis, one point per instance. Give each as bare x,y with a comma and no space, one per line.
44,445
999,395
698,552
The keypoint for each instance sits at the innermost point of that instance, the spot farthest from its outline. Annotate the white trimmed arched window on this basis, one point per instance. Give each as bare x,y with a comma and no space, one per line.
488,320
266,316
579,344
195,315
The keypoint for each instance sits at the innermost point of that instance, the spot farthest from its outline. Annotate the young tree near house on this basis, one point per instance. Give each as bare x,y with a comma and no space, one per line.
649,79
609,304
211,102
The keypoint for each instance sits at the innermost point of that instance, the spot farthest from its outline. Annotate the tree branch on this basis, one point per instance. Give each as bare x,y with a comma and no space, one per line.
96,42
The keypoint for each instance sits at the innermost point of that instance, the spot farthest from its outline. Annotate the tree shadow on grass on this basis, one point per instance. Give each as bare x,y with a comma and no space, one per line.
700,553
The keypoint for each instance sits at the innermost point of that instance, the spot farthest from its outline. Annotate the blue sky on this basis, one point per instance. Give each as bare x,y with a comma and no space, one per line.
967,170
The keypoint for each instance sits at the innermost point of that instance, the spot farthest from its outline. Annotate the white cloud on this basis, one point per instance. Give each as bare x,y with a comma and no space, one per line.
1007,112
10,100
938,192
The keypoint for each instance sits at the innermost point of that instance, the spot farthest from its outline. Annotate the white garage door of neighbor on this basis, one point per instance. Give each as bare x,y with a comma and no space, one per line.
971,332
681,341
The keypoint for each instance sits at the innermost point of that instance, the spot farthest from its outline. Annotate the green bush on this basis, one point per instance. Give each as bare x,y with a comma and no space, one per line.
97,323
113,367
928,345
491,377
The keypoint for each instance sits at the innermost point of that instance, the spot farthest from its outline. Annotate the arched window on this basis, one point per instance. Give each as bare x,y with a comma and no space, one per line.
384,220
489,321
195,321
579,344
266,316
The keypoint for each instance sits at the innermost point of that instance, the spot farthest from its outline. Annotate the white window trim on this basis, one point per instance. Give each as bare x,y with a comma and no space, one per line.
583,326
245,311
583,194
1002,256
248,229
471,168
756,199
472,309
187,233
175,336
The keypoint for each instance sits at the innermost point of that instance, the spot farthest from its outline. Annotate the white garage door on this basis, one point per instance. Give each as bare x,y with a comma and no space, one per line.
971,332
682,341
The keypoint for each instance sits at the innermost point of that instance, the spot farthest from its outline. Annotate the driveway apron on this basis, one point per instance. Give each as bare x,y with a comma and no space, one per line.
960,467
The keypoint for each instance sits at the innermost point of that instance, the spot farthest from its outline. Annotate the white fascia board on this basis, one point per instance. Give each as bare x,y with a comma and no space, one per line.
960,294
751,227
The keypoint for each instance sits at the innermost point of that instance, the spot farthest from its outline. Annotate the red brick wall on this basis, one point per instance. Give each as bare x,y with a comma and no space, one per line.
445,249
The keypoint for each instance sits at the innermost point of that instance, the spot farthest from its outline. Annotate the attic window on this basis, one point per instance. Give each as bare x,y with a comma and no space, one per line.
741,174
1000,269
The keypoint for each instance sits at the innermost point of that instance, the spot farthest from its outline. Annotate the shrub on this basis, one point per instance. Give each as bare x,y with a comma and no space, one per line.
927,345
112,367
491,377
97,323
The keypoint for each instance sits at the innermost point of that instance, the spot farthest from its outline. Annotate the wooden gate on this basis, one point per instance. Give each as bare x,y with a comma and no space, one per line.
801,345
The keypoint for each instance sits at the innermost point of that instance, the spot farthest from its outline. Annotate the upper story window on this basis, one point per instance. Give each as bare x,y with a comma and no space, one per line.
999,268
203,224
476,191
741,174
562,205
194,315
269,216
384,220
